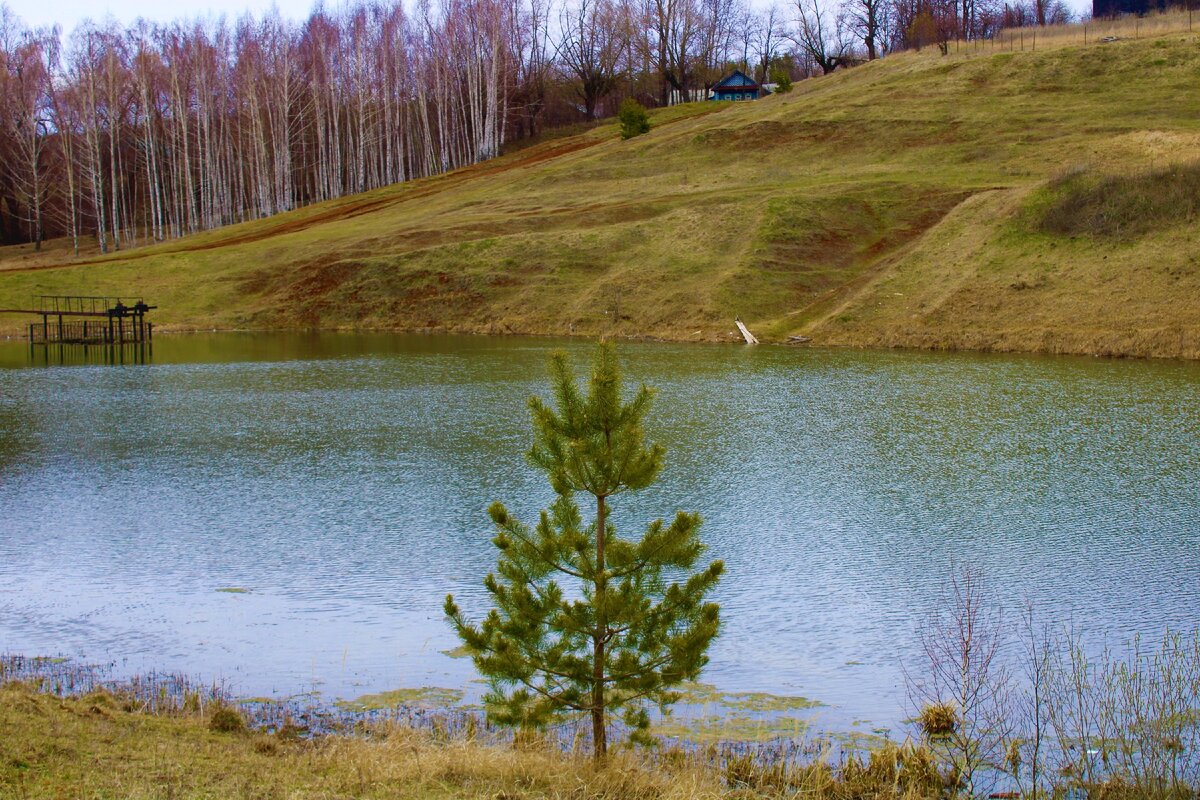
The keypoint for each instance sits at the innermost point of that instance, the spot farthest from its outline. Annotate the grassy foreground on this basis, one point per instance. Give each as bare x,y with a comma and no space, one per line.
964,201
91,747
95,746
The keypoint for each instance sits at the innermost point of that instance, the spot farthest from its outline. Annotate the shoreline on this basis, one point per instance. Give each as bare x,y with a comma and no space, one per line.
114,744
705,716
14,335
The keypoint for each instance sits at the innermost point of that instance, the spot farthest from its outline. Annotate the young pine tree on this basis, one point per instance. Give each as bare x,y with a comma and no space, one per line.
633,118
629,621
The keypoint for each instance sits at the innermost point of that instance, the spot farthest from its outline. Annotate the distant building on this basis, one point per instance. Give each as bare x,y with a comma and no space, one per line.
1113,8
738,86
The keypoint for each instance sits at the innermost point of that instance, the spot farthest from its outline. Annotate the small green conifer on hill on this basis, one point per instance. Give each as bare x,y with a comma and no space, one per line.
587,622
633,118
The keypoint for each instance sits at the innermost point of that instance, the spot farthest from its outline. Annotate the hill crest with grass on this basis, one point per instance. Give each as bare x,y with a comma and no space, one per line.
1042,201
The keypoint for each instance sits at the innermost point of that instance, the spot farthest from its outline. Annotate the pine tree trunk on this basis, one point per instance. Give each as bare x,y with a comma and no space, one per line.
599,729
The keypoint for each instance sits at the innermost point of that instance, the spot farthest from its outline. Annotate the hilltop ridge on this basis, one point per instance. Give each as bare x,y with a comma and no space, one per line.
961,201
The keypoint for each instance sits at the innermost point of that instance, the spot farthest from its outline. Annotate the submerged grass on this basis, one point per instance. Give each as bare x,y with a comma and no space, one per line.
730,727
428,697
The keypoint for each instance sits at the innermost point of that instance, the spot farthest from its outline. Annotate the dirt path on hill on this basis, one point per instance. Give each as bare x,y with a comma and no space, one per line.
886,253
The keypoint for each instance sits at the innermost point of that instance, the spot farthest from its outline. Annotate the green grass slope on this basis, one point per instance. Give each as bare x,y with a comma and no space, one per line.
968,201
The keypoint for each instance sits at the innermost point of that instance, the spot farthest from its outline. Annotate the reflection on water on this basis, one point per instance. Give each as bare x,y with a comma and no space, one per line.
342,480
73,355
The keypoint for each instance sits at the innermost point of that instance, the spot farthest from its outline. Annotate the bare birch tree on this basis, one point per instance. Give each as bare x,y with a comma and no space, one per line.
963,690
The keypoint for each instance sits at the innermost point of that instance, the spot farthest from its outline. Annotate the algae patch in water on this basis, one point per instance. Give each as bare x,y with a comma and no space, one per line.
763,702
705,694
426,697
731,728
698,694
734,716
233,590
49,660
457,652
862,741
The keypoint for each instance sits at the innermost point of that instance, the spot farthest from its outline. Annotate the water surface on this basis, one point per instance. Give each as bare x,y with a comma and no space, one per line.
343,480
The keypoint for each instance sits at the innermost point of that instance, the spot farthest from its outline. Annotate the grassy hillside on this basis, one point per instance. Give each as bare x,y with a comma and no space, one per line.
969,201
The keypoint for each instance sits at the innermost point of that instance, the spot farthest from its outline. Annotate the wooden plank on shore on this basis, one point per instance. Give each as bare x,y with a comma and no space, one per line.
746,334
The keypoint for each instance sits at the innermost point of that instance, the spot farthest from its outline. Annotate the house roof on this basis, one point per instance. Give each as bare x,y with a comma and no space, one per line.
736,81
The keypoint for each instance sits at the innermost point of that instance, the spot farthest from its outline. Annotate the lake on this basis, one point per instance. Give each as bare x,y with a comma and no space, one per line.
342,481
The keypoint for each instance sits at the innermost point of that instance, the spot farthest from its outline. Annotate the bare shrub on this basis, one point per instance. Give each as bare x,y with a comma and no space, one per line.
964,691
1128,721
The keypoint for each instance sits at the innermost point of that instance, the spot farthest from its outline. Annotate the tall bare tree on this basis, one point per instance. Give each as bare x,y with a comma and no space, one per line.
821,36
770,35
868,20
591,47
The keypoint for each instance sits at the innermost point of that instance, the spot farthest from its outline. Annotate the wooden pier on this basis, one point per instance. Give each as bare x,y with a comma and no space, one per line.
74,319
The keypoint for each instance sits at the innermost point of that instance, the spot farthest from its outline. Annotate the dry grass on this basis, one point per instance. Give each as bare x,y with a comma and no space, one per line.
1122,207
92,746
1149,26
938,720
96,746
1105,30
886,205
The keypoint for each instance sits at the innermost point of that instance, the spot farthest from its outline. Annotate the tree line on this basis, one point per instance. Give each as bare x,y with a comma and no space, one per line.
132,134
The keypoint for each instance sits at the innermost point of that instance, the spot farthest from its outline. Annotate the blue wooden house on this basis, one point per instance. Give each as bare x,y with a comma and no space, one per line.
737,85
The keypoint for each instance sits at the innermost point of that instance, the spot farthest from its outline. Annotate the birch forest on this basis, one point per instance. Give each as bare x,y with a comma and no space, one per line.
115,136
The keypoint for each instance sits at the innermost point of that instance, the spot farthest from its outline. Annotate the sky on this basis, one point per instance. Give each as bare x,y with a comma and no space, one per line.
69,13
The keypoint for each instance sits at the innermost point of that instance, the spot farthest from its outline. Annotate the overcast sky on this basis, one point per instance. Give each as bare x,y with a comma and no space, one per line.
69,13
